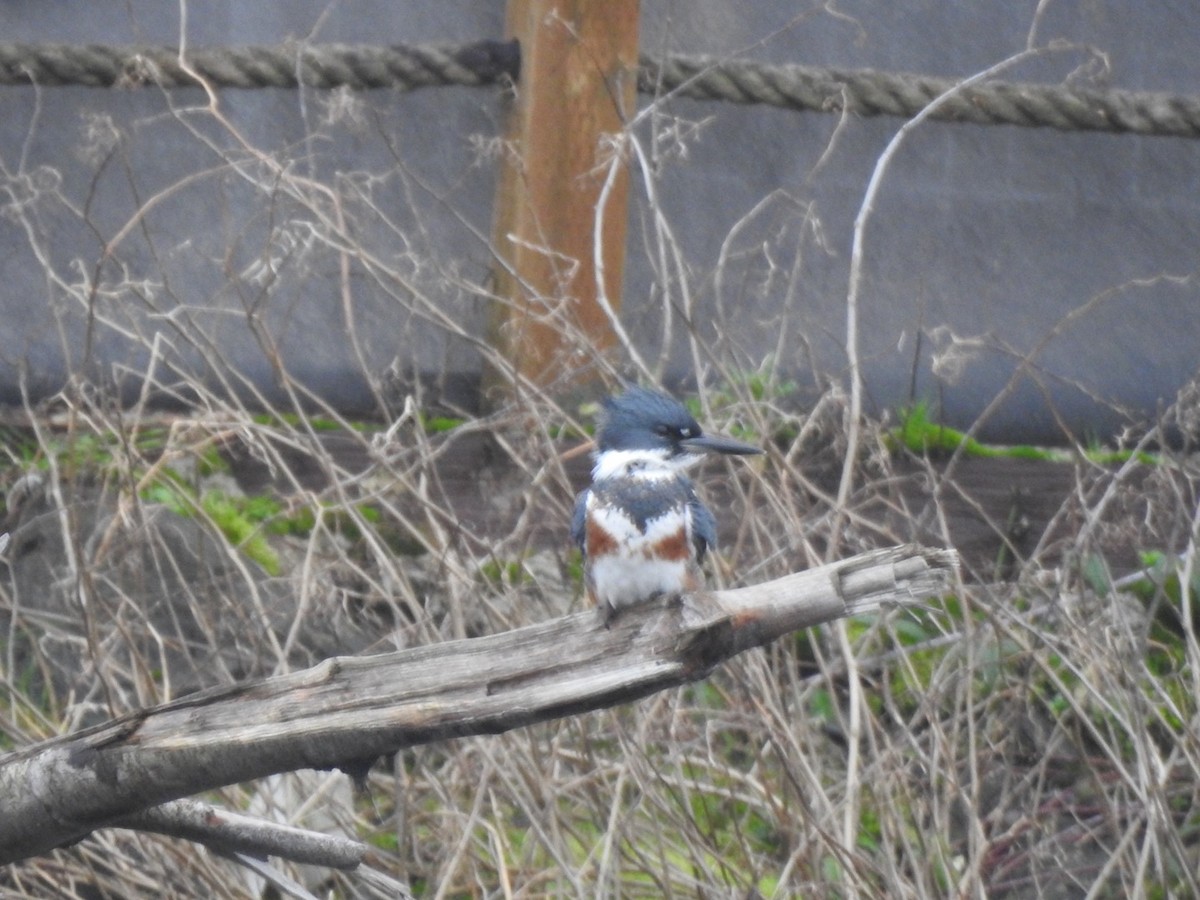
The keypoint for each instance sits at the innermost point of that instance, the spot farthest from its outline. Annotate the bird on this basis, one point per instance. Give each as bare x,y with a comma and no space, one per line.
642,528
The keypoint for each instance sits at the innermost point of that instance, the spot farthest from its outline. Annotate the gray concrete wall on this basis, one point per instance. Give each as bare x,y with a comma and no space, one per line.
996,235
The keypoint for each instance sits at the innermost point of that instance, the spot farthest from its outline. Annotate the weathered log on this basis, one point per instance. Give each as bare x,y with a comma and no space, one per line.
346,712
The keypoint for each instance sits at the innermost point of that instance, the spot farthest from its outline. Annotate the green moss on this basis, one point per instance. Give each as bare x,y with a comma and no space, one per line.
384,840
239,519
504,572
918,434
167,495
210,463
1160,590
575,568
241,530
434,424
705,695
822,706
298,524
316,423
83,453
869,830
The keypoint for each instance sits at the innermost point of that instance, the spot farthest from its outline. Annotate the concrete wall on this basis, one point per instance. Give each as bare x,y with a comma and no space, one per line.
998,236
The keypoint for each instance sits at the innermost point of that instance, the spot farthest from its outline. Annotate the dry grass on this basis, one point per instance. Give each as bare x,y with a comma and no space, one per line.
1033,735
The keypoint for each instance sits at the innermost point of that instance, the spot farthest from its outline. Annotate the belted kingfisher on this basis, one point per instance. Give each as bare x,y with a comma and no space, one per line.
641,526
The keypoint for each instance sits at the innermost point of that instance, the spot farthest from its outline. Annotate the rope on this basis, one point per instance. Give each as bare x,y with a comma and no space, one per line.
317,66
866,92
862,92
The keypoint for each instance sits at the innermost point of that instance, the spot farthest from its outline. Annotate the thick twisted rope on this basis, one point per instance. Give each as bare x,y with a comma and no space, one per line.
863,92
866,92
359,67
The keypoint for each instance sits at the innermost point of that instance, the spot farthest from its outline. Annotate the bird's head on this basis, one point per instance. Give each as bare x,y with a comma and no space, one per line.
641,420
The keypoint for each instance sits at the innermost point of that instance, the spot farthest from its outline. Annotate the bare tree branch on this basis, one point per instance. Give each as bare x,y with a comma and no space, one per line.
345,712
233,833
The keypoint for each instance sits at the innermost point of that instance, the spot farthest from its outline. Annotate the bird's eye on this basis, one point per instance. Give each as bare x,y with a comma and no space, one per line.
664,430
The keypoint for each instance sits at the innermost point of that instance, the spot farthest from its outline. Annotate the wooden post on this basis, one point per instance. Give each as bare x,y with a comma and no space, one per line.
578,83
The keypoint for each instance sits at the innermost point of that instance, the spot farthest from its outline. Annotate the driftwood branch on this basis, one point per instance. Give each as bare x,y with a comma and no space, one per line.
233,834
345,712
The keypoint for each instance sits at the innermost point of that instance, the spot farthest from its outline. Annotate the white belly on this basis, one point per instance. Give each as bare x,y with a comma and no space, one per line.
618,581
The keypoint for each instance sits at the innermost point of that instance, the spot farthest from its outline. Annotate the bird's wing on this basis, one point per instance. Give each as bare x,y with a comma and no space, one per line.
704,526
579,520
